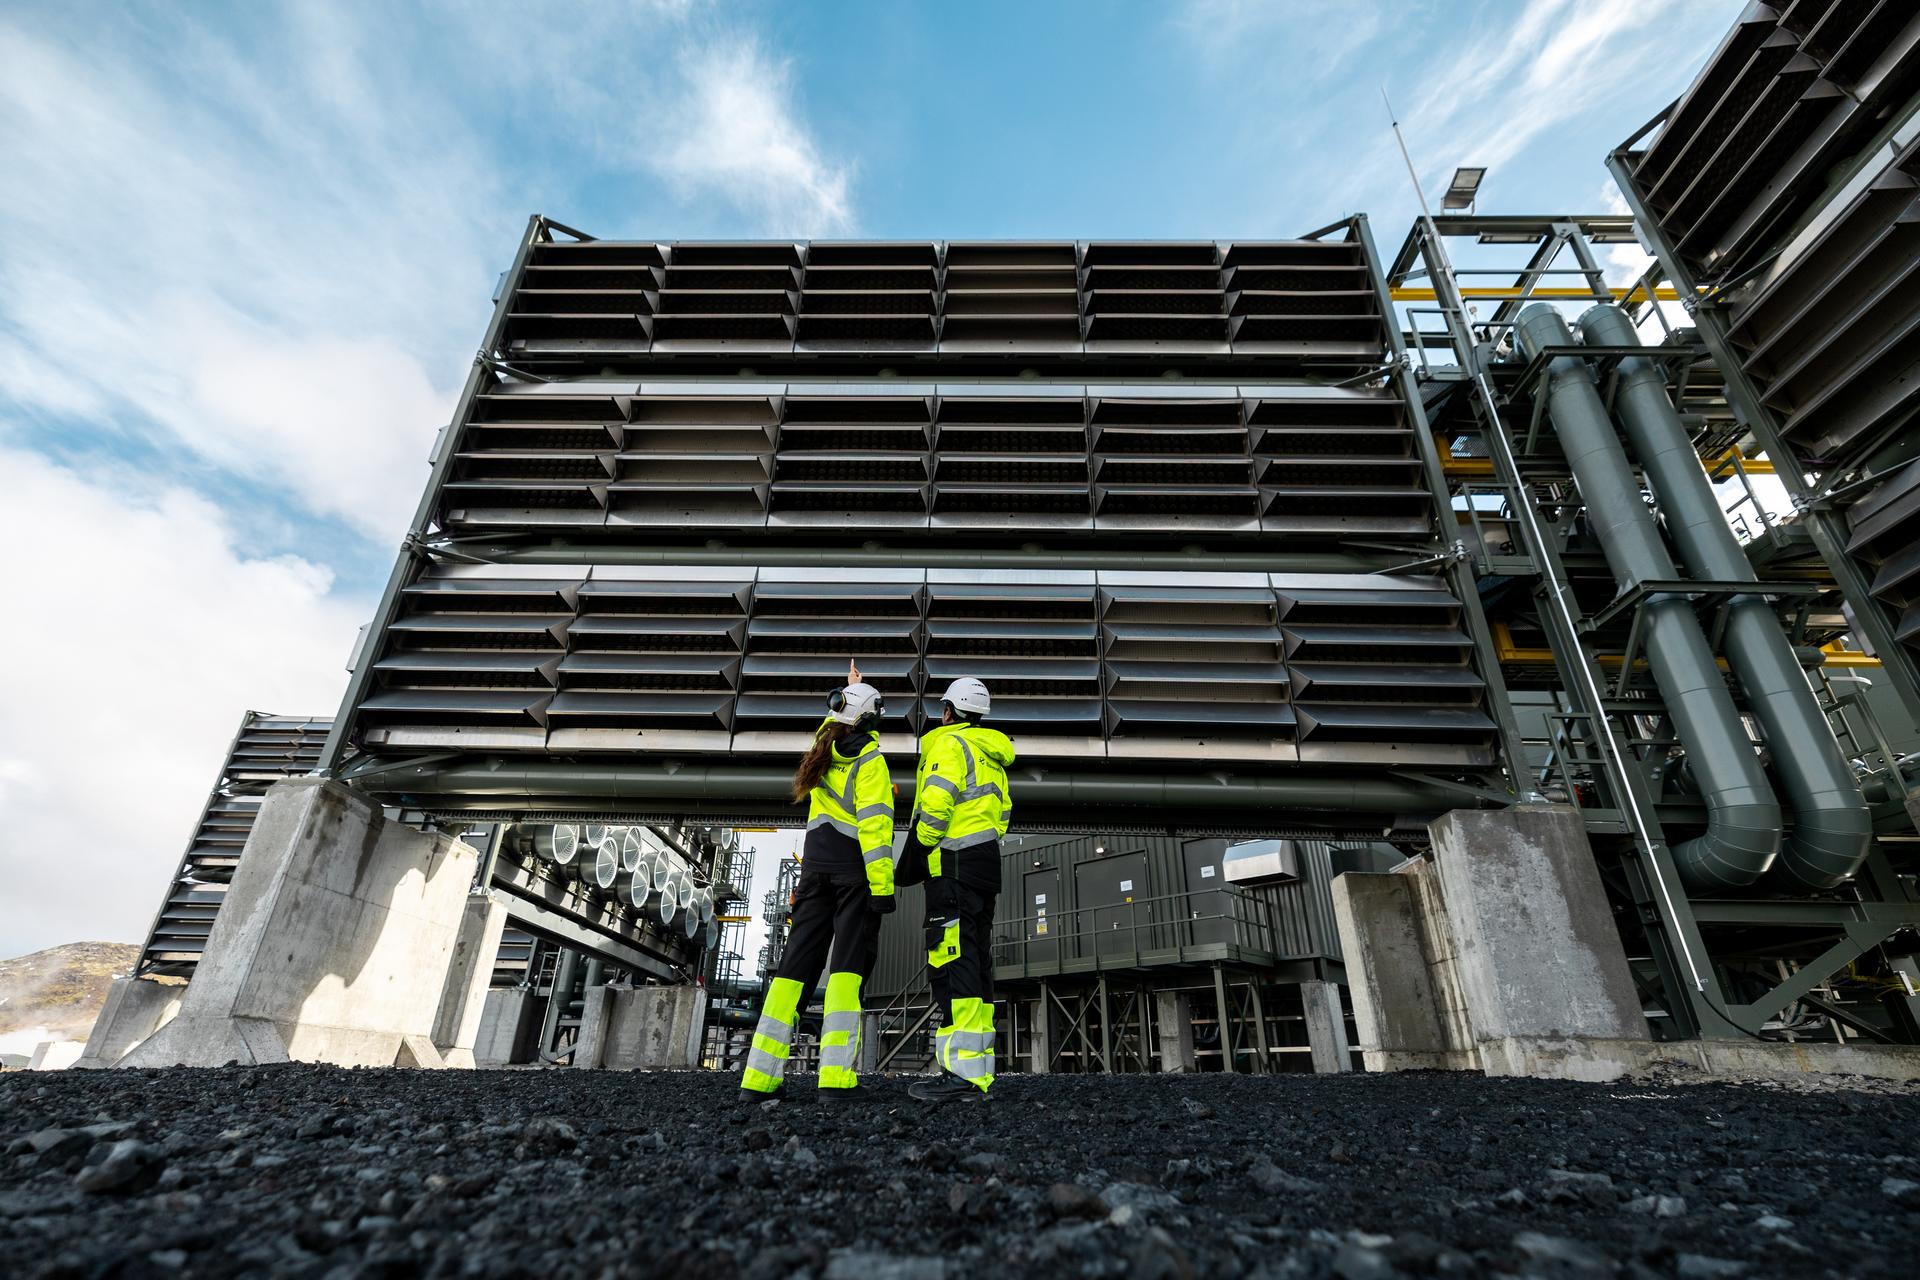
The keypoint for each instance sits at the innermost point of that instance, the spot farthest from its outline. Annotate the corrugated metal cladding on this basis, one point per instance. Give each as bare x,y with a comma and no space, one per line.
1086,904
991,398
1789,175
267,749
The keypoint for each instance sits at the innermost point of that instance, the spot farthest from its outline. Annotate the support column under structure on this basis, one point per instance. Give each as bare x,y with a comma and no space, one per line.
1326,1027
135,1009
509,1020
1040,1034
1173,1029
642,1028
332,944
463,996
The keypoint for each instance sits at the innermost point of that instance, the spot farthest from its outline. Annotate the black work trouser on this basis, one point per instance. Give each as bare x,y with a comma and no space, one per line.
832,914
971,973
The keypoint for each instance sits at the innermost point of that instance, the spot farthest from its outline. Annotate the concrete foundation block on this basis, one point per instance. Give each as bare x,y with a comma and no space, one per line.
1173,1029
509,1020
643,1028
1538,953
135,1009
332,944
1391,981
1326,1027
56,1055
463,997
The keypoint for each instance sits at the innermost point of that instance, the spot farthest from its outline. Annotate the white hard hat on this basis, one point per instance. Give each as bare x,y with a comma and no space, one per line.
968,695
855,703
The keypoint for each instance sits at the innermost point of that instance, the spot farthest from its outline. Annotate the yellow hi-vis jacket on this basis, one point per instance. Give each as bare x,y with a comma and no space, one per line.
961,791
855,798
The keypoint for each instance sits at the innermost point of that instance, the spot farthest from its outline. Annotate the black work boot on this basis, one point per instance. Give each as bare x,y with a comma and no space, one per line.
947,1088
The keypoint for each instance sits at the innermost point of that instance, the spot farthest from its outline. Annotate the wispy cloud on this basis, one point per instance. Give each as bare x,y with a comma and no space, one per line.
735,136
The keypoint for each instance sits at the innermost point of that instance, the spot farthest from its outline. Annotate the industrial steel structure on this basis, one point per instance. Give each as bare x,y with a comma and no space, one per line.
1274,548
587,904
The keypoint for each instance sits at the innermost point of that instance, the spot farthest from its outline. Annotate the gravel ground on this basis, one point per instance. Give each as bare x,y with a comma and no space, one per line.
316,1171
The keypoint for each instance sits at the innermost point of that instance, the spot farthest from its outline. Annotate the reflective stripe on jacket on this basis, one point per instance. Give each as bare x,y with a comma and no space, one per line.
855,798
961,792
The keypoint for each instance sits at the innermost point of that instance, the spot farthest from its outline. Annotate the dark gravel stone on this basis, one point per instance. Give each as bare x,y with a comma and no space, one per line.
329,1175
129,1165
1071,1200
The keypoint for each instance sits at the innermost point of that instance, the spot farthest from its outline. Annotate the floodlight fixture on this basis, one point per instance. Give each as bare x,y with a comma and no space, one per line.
1462,190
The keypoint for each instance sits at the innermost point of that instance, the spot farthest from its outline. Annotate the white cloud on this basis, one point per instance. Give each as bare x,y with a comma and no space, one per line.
280,251
142,631
735,136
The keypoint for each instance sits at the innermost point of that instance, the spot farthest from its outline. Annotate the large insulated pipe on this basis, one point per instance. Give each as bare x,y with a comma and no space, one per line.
1832,829
1743,819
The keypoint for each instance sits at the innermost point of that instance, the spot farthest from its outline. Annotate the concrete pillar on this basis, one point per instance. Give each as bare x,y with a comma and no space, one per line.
1173,1028
331,945
463,996
1326,1027
869,1043
644,1028
55,1055
596,1012
1396,1011
135,1009
509,1019
1539,958
1040,1036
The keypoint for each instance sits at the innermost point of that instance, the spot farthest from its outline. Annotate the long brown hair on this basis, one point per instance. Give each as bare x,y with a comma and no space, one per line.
813,765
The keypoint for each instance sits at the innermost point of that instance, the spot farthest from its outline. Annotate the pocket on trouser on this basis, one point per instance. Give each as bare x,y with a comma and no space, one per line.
840,1033
772,1037
943,942
969,1050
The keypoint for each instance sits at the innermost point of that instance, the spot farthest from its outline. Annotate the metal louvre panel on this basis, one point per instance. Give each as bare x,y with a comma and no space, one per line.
852,460
1165,464
1382,673
1154,297
870,297
1200,661
691,459
587,298
1789,98
1229,665
1011,297
1308,299
1886,535
1834,342
650,656
267,749
801,636
1011,461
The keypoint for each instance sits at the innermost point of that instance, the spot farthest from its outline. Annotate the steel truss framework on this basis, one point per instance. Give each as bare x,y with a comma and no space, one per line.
1704,954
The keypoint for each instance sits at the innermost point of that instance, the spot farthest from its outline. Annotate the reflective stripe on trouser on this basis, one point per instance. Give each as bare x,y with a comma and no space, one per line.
773,1037
840,1033
965,1046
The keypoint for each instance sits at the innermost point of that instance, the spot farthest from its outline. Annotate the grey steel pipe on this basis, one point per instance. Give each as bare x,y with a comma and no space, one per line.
535,780
1832,829
1743,818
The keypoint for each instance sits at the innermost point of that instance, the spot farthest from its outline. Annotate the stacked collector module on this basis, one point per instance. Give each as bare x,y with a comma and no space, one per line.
1170,501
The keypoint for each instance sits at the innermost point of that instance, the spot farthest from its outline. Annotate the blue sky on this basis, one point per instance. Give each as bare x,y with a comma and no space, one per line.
249,250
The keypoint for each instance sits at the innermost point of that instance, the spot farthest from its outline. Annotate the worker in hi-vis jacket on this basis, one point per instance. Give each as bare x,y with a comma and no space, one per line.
846,885
962,801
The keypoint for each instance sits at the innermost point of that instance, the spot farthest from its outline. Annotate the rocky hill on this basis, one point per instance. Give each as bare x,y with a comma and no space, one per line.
59,991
